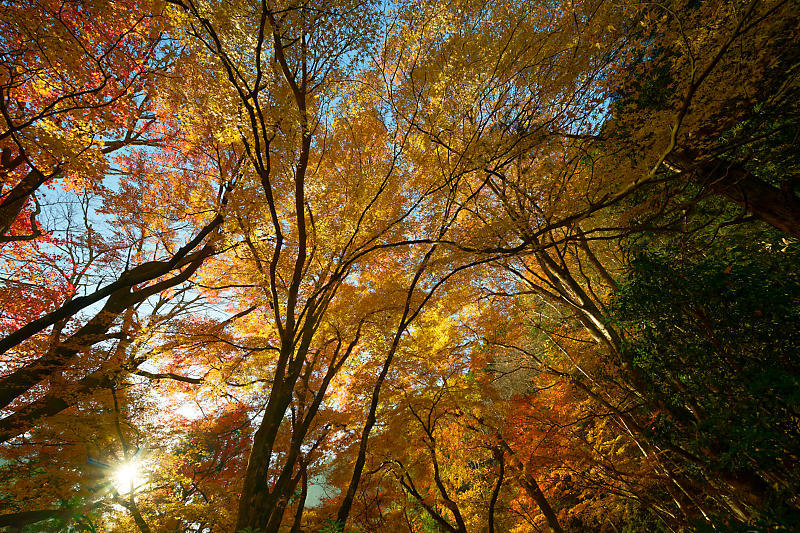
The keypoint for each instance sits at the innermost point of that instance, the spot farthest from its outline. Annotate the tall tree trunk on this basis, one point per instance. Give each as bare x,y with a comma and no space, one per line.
500,458
16,198
531,487
406,319
254,508
260,507
361,458
301,504
777,207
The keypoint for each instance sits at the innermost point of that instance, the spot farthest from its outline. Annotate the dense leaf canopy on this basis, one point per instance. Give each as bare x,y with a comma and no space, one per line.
422,265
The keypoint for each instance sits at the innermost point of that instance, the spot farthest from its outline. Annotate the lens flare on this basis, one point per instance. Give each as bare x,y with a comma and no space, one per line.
127,477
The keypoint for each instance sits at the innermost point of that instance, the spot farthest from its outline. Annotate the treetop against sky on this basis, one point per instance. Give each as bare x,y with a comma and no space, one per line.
399,266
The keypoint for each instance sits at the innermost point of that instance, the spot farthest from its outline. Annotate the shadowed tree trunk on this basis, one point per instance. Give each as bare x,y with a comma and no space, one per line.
779,207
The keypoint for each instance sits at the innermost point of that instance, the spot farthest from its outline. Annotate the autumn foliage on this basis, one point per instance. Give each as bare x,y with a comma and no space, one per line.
357,266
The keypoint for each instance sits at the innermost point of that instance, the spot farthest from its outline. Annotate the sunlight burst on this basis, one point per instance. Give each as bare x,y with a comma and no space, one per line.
127,477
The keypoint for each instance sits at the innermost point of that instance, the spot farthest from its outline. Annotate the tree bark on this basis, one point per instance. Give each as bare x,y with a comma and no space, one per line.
95,330
16,521
128,279
500,457
778,207
406,319
301,504
529,484
16,198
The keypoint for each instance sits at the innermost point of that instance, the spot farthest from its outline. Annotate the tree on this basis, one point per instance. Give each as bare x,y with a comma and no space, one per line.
466,265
